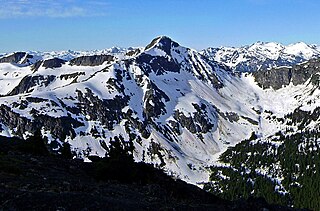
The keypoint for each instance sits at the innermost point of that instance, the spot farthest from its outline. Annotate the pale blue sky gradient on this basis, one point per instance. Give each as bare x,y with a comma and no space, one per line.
47,25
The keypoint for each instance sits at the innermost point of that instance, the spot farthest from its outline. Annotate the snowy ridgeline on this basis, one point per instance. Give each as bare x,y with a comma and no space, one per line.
180,108
262,55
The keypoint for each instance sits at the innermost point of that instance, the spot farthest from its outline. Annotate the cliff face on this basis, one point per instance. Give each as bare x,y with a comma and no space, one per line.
94,60
283,76
16,58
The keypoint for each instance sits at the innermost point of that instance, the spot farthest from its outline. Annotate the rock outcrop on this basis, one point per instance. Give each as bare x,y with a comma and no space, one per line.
94,60
283,76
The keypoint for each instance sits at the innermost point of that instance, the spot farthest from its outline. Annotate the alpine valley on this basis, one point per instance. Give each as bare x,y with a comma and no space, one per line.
239,122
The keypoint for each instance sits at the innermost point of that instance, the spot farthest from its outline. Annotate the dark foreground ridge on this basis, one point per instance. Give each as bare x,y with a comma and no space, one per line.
31,178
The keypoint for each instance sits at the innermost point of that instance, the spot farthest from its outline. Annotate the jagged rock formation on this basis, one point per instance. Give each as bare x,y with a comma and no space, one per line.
28,83
94,60
283,76
17,58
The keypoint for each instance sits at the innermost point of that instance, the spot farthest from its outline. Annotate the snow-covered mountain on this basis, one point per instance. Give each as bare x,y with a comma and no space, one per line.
31,57
180,108
262,55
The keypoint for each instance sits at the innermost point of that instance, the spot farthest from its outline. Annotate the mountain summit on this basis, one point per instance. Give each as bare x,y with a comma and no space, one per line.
162,42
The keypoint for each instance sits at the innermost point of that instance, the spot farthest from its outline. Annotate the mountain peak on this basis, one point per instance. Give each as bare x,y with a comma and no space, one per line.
266,45
162,42
302,49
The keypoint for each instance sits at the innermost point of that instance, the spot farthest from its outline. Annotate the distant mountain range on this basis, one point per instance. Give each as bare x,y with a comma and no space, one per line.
262,55
31,57
180,108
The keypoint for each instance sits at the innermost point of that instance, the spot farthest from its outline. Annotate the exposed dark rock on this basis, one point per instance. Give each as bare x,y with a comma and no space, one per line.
152,43
14,120
163,64
197,123
27,59
59,127
22,105
107,111
201,118
155,150
29,82
164,43
53,63
231,116
254,122
154,99
36,66
94,60
35,100
116,83
276,78
301,73
133,52
176,127
50,63
136,123
71,75
157,64
315,80
302,118
202,73
13,58
186,122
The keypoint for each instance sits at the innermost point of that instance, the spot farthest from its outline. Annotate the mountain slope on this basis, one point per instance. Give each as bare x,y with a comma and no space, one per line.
280,165
147,99
179,108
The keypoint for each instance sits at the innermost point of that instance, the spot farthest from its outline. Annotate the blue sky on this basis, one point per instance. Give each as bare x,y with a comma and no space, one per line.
47,25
